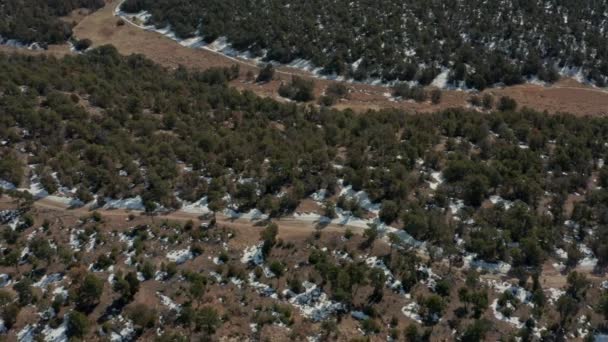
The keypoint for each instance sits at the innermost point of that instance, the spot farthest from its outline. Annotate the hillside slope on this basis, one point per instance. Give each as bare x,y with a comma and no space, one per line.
480,42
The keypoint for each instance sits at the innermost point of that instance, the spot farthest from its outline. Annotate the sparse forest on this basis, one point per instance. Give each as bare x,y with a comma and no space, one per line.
175,136
482,43
508,185
161,202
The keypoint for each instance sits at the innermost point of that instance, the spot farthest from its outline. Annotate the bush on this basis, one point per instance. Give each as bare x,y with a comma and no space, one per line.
299,89
337,90
488,101
142,316
436,96
327,101
370,326
207,319
78,324
89,293
266,74
9,315
507,104
404,91
389,211
83,44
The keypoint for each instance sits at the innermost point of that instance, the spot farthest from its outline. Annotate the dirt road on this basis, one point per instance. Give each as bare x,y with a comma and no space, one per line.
288,223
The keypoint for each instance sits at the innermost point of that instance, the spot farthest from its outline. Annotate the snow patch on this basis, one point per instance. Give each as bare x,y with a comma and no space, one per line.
313,303
180,256
253,255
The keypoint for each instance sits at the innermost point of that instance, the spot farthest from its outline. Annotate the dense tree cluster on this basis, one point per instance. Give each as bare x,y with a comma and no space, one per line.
39,21
481,42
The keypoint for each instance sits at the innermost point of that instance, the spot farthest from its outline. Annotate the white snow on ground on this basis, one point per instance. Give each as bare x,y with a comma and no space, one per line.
126,333
341,255
134,203
26,334
523,295
268,273
313,303
92,242
252,215
168,302
497,200
47,280
7,185
561,253
573,72
199,207
499,316
361,197
17,44
129,240
180,256
391,282
312,218
554,294
7,216
431,278
559,266
356,63
411,311
360,315
437,180
35,188
319,196
68,201
58,334
5,280
261,288
160,275
583,326
456,206
237,282
589,261
60,292
74,240
24,254
303,64
253,255
600,338
216,276
493,267
441,81
14,223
